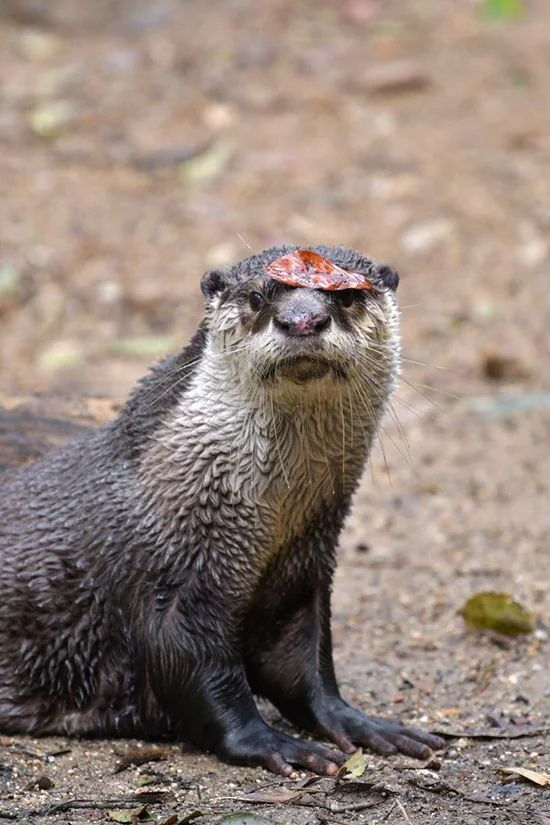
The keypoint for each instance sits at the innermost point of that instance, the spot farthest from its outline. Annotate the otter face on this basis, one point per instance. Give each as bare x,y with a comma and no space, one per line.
280,336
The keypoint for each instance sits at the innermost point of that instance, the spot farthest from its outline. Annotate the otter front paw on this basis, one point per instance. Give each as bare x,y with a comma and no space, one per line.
259,744
382,736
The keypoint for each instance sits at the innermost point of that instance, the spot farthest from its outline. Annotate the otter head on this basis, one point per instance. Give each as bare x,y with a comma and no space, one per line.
287,338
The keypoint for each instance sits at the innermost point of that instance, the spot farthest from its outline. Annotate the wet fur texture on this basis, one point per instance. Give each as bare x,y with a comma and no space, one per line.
157,573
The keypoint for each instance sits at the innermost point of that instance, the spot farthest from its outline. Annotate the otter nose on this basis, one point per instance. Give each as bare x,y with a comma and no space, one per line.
297,324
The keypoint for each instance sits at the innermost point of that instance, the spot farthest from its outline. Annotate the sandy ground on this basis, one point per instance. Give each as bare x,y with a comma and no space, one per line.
142,143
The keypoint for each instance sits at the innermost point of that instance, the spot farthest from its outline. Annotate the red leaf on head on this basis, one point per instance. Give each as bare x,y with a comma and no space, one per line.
308,269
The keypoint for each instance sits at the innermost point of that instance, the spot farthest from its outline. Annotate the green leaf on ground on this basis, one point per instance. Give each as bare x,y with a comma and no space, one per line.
497,612
207,165
502,9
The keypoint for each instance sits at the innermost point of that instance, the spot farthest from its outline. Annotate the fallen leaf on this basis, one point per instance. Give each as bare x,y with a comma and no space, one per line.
41,783
48,120
502,9
542,779
132,816
354,767
497,612
208,164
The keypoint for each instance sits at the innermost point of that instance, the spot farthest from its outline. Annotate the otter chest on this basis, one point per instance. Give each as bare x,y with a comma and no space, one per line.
229,467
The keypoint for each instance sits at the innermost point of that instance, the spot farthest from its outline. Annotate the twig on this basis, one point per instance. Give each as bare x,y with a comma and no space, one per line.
403,811
509,733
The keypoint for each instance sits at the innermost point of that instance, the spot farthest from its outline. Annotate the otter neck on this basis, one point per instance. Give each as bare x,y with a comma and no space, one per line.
230,446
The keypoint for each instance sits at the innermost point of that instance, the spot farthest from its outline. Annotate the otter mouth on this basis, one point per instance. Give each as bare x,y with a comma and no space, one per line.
302,368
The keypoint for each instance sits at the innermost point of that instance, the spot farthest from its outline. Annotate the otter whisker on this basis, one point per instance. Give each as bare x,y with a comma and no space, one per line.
447,393
418,363
240,237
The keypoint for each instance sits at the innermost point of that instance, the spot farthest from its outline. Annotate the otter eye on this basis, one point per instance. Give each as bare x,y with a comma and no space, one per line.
346,297
256,300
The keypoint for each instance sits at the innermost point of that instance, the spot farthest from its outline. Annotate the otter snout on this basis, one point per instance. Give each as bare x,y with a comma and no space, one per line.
302,313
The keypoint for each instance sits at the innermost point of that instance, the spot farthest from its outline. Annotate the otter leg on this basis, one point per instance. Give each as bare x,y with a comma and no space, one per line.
294,670
210,704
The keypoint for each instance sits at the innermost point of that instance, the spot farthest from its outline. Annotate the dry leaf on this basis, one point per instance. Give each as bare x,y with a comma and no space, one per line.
133,816
121,816
354,767
42,783
542,779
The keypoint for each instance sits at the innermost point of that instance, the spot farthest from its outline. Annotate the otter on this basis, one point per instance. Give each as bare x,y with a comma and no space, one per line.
160,572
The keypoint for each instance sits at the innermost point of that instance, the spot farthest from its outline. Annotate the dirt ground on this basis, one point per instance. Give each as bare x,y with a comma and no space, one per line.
143,142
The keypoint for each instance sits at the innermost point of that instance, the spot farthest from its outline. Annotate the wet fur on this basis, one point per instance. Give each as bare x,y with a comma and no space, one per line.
181,555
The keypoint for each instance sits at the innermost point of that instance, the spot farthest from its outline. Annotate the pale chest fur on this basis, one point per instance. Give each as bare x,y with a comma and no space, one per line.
230,474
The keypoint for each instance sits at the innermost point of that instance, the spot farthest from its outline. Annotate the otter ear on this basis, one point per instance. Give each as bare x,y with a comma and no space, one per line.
213,283
388,275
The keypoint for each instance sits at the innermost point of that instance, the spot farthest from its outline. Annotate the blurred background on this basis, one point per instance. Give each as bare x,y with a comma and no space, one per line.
145,141
142,142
